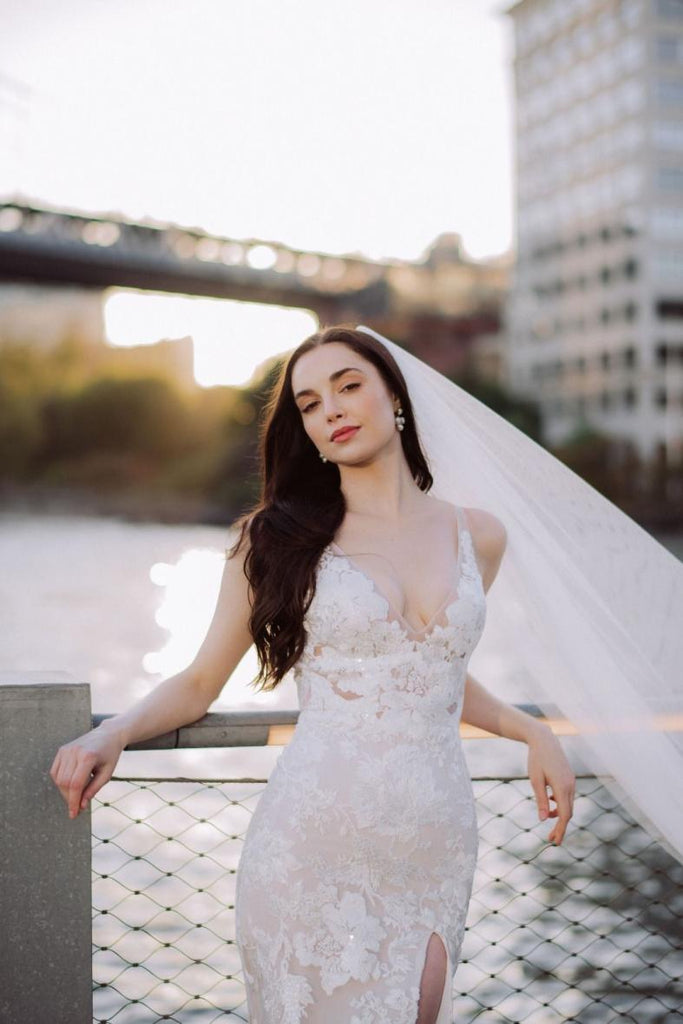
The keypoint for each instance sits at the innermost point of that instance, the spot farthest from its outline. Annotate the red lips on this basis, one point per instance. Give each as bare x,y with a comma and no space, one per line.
344,432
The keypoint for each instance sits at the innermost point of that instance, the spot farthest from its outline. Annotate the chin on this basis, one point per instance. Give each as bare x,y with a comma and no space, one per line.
361,458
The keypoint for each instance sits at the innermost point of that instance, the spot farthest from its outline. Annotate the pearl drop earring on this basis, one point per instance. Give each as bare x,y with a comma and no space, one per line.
323,457
400,418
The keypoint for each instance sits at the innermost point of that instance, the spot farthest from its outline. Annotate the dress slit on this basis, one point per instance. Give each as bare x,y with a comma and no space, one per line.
445,1006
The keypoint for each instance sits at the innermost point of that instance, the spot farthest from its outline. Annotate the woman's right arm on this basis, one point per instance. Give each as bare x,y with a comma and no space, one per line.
84,765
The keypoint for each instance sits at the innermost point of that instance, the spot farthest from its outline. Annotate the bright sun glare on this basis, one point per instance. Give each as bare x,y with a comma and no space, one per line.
189,590
231,339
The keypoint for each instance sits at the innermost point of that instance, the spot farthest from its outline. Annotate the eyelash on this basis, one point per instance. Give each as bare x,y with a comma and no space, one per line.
353,384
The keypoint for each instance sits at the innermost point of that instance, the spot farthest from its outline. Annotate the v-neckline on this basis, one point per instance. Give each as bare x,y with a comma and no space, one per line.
444,605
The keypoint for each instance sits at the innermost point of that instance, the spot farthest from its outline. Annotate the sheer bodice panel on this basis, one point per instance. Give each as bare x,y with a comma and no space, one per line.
363,662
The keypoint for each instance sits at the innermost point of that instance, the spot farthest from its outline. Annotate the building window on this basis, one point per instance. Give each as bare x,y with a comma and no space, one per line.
630,311
605,360
630,356
667,222
629,397
670,179
604,316
669,90
670,10
660,398
661,354
630,268
669,264
668,134
629,12
670,49
605,275
669,309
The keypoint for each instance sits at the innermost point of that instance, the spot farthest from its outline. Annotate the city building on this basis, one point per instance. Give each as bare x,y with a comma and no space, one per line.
594,317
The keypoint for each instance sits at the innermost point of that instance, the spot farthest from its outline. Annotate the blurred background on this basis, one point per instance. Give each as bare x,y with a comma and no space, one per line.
188,190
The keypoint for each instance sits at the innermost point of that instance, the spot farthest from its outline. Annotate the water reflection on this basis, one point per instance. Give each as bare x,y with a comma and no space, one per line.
124,605
190,592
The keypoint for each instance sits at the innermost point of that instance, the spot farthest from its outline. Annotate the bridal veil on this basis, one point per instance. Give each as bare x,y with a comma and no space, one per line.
586,613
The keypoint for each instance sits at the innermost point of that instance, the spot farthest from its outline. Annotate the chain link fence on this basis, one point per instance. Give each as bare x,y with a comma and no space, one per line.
589,931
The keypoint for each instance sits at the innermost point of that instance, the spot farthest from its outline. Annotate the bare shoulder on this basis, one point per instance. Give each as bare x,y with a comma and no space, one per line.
488,531
489,538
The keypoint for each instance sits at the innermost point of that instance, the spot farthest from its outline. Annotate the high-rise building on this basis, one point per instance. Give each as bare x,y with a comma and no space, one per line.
594,322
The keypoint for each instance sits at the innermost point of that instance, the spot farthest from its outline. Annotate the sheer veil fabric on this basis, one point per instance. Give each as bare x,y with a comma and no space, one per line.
586,613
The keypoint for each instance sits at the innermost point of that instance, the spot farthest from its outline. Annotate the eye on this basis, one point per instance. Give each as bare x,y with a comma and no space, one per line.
352,384
307,408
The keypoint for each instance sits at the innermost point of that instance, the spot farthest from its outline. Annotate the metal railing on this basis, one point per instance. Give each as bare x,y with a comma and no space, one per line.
134,899
587,932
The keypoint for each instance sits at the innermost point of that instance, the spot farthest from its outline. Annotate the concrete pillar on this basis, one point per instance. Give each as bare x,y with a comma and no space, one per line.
45,889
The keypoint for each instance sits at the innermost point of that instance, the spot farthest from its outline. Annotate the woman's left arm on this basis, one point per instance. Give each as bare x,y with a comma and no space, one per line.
548,766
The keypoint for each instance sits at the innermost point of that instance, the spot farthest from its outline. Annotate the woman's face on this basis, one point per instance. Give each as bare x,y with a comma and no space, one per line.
339,392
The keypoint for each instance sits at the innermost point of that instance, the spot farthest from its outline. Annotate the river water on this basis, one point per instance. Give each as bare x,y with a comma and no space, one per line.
123,605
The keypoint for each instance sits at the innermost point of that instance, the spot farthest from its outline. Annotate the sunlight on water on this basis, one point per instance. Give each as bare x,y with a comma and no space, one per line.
190,591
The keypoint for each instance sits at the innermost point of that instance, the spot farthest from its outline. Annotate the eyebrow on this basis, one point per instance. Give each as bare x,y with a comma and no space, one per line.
333,376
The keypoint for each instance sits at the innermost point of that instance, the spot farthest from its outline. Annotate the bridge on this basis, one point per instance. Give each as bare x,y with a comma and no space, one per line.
446,297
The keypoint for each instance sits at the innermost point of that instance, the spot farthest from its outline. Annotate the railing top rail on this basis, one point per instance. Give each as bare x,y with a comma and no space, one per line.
255,728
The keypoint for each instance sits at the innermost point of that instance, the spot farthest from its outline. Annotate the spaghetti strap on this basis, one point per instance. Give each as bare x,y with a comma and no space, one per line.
463,532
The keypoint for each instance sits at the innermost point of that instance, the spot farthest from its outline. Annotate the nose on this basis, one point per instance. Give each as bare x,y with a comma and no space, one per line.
332,410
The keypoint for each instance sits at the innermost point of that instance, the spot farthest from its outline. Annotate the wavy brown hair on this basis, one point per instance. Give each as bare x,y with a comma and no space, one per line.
301,506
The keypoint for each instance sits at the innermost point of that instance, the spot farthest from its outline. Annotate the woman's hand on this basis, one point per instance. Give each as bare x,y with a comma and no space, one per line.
549,767
82,767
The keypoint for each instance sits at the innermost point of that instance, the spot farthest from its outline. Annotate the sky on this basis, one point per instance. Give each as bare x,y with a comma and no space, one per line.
343,126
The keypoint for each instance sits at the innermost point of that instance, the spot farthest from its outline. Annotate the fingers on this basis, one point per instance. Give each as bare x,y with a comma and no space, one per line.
75,787
565,809
538,784
562,795
71,772
549,769
81,768
99,779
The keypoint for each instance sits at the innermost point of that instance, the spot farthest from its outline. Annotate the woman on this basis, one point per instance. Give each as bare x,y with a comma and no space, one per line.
357,868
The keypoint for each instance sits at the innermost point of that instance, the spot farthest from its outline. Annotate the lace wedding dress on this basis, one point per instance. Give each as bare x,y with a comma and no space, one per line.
364,842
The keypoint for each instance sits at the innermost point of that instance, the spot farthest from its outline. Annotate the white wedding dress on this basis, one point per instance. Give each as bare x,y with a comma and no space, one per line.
364,842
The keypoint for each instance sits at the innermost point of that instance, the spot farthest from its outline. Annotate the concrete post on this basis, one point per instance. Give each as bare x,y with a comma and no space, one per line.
45,890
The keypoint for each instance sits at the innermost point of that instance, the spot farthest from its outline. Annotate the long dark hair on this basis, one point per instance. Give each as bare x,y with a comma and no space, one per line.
301,506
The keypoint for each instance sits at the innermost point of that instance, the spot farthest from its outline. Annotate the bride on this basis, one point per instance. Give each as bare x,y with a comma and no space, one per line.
356,873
